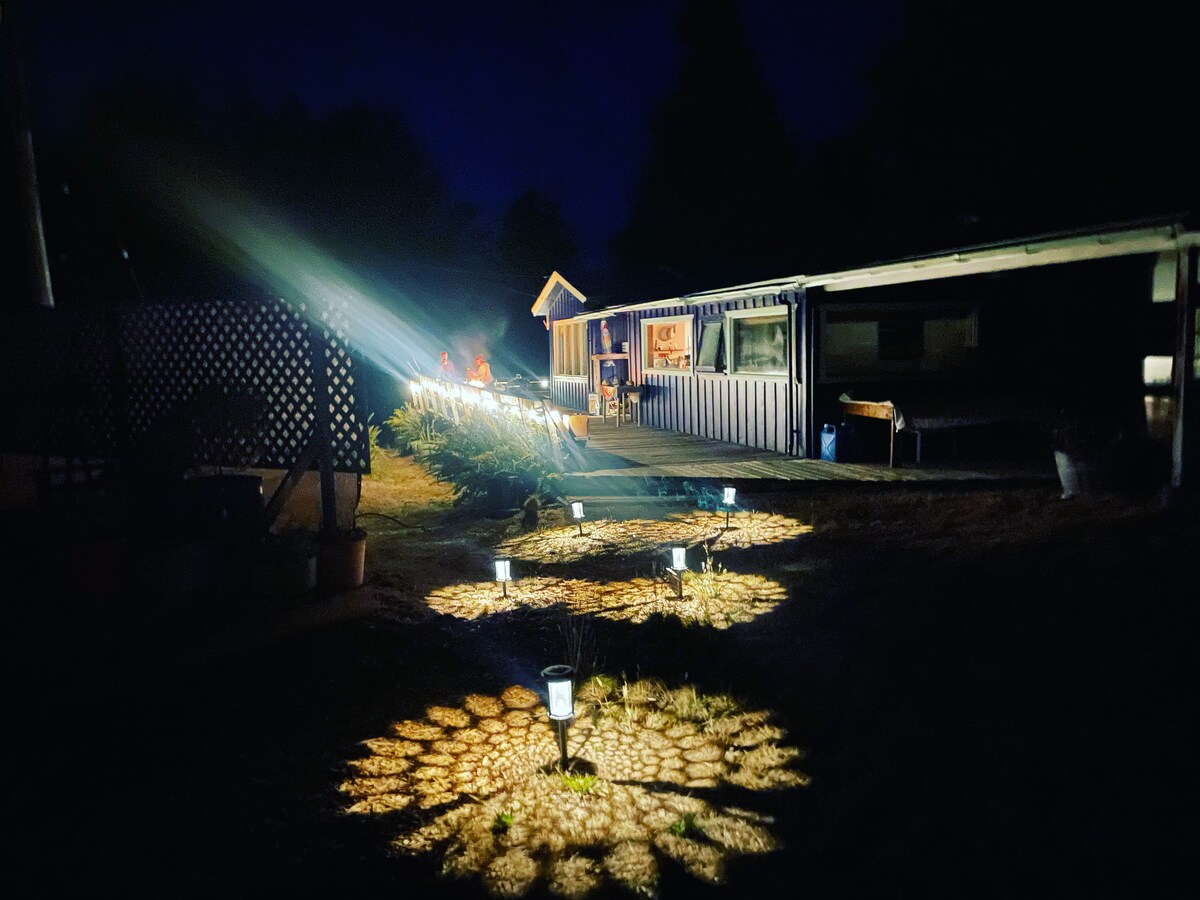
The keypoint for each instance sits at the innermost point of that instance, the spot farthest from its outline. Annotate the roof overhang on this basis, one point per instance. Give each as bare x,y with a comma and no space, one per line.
1008,257
555,286
754,289
1024,254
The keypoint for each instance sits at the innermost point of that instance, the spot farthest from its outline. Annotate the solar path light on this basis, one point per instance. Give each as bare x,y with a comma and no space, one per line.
728,495
504,573
560,696
679,566
577,514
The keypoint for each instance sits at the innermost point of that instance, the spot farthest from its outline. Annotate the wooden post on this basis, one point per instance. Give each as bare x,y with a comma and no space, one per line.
1187,408
33,235
324,426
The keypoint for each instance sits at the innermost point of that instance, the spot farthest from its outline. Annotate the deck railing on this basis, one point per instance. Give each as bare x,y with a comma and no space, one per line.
458,402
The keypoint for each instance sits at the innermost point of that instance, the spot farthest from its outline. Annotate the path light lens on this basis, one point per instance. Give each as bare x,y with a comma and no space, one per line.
559,691
503,570
729,493
577,509
678,559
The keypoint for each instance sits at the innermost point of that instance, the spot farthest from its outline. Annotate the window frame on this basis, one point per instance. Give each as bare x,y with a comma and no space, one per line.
567,325
778,310
722,363
898,370
646,323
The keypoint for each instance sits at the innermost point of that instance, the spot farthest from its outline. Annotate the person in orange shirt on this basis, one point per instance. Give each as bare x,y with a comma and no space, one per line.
481,373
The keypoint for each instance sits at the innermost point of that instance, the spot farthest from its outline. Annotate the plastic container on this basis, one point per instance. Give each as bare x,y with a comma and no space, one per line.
829,443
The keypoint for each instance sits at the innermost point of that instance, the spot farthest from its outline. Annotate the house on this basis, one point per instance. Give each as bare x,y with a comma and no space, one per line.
1005,334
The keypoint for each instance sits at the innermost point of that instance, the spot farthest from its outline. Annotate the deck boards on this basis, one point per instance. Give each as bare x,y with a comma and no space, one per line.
643,452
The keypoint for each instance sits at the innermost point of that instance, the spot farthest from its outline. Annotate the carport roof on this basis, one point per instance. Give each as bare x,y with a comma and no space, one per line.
1021,254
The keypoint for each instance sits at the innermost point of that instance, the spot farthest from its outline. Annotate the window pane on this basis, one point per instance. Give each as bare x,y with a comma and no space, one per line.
667,345
760,345
709,355
901,338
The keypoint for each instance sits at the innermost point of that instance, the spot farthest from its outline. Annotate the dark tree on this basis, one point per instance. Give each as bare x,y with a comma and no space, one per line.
716,200
993,122
357,183
535,239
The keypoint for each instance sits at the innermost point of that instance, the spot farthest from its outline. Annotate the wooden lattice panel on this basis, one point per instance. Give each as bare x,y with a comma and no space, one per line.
239,377
210,383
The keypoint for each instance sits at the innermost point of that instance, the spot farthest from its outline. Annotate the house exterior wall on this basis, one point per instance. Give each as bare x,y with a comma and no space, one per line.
739,409
567,393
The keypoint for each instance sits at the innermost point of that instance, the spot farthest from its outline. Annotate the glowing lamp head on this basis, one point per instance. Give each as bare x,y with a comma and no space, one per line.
560,691
577,509
503,570
545,382
728,493
414,387
678,558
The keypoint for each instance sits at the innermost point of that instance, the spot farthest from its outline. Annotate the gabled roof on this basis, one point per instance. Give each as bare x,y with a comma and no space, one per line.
554,289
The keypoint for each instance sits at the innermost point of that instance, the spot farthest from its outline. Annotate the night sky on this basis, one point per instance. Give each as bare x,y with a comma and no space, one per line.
503,96
452,154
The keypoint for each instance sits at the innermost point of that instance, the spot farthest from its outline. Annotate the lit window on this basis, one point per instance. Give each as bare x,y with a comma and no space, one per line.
570,349
1157,369
758,342
667,345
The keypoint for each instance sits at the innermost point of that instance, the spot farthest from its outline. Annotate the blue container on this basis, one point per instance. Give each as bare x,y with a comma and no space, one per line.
829,443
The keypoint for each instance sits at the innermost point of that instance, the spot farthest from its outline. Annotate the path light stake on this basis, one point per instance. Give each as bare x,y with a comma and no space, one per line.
504,573
728,492
560,696
577,513
679,566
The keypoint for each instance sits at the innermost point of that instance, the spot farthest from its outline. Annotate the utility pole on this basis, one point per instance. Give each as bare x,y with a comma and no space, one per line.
36,261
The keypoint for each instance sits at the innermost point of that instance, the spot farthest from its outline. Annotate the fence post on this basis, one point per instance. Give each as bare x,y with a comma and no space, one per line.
319,345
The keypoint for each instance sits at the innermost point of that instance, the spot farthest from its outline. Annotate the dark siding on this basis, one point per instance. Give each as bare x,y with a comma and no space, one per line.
566,394
740,410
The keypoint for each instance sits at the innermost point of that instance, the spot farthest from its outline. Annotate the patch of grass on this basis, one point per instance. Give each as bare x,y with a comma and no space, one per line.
580,784
501,823
685,826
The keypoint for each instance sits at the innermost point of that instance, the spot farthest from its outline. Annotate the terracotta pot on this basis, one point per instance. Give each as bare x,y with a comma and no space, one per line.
341,560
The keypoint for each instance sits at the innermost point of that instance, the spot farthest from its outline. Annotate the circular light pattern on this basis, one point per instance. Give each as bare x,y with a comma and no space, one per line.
716,598
633,537
481,779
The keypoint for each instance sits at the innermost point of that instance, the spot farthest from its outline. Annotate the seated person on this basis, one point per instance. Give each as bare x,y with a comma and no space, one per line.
480,374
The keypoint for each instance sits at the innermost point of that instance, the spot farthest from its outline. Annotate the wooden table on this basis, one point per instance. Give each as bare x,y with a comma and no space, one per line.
875,410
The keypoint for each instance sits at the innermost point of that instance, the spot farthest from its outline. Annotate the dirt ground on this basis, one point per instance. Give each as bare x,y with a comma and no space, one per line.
990,687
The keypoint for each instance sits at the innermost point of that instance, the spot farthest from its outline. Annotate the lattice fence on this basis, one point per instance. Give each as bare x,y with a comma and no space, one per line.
223,383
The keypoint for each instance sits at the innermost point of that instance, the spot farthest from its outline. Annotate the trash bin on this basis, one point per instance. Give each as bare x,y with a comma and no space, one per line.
829,443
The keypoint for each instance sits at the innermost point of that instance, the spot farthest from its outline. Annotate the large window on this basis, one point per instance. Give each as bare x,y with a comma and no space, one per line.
570,349
667,345
758,342
871,342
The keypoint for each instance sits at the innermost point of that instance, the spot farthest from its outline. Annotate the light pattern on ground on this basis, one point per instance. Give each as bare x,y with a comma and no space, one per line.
633,537
716,598
481,777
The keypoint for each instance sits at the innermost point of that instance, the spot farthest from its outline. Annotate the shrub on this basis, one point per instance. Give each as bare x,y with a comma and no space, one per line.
416,426
495,460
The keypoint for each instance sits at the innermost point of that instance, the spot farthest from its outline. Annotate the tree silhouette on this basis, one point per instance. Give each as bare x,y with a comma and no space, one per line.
715,201
534,238
996,122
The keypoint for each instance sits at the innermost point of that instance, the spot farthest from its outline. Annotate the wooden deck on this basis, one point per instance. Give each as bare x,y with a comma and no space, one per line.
642,452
